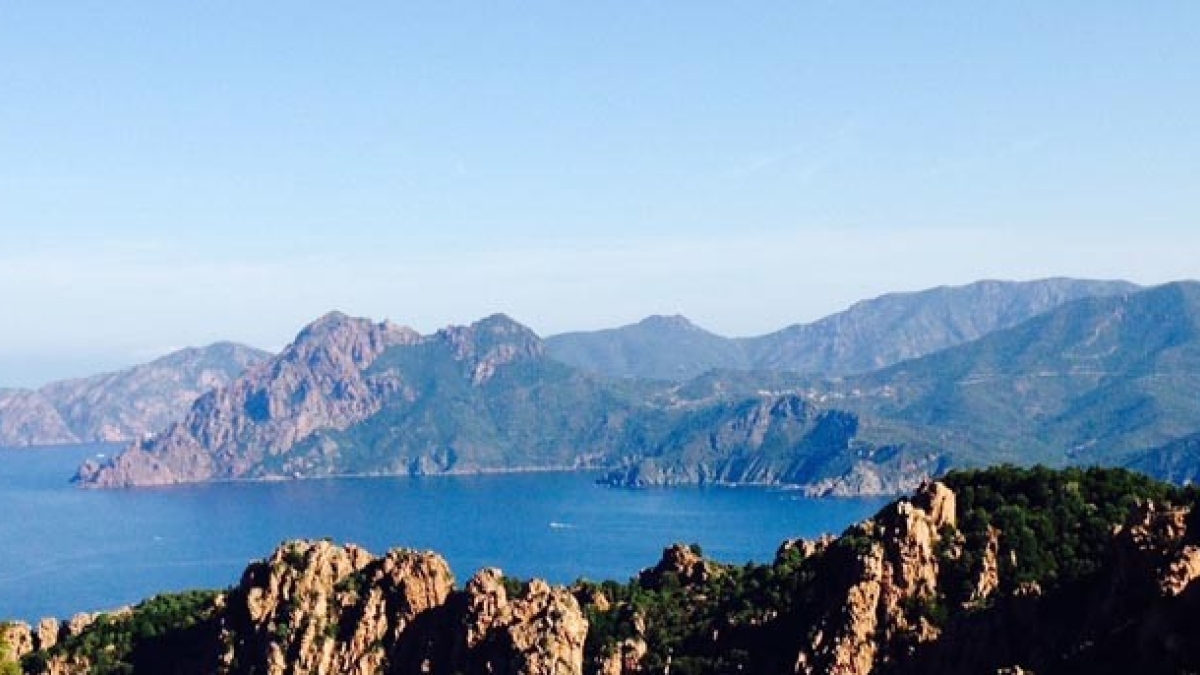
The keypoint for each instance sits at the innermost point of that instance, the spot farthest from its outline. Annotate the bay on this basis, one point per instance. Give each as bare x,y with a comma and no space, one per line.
65,550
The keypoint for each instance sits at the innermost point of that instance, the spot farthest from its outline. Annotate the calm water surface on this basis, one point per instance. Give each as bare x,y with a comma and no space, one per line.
65,550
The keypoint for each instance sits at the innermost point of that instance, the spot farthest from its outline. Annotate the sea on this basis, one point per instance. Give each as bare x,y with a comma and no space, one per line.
65,550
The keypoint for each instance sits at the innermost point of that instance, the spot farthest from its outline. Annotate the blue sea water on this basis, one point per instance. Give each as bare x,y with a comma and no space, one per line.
64,550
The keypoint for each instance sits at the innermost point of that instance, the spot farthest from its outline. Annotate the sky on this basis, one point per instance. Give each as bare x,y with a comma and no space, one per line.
174,174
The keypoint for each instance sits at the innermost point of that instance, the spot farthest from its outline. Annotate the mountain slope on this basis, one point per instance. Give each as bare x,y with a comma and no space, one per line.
869,335
899,326
28,418
143,399
1088,382
1095,381
123,405
658,347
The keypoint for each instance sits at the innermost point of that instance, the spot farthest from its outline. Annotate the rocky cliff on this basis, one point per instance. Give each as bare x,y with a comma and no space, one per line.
121,406
316,608
1006,570
319,381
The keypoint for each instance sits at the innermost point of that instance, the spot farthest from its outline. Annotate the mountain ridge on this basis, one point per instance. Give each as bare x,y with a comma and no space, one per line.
869,334
1093,380
122,405
1104,380
350,396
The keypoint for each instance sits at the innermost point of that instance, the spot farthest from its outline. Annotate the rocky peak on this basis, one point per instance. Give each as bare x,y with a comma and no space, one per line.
359,340
802,548
317,382
491,343
540,633
16,640
937,502
673,322
315,607
877,572
682,562
1156,544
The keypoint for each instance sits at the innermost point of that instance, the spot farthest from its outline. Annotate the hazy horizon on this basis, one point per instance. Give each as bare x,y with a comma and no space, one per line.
175,176
100,366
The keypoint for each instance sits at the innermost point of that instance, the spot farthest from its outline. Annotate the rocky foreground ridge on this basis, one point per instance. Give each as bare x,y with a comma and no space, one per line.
1005,570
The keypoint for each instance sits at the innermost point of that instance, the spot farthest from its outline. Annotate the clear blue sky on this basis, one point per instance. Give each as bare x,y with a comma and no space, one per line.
174,175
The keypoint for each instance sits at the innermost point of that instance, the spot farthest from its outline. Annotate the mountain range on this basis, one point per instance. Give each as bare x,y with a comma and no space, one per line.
1101,379
869,335
124,405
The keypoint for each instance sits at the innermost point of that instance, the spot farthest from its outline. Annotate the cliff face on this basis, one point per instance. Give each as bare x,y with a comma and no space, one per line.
139,401
313,607
882,570
317,382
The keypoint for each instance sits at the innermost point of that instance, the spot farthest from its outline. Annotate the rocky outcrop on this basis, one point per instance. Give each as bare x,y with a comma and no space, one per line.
988,580
47,633
16,640
624,657
19,640
1157,544
802,548
542,632
314,607
878,573
682,564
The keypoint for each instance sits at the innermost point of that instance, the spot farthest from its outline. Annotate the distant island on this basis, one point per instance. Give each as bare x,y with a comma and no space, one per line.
1005,570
